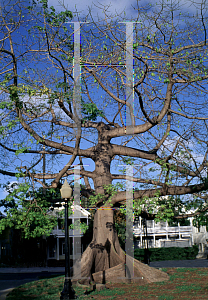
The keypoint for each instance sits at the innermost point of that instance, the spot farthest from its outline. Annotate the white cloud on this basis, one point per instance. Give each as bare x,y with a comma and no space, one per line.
115,6
83,6
169,145
41,104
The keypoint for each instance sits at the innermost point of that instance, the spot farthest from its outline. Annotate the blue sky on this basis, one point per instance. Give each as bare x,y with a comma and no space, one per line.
115,6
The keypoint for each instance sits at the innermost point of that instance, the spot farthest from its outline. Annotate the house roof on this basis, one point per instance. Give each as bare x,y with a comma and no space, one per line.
78,212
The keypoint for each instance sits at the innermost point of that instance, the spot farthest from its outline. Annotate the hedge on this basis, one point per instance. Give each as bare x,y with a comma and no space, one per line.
168,253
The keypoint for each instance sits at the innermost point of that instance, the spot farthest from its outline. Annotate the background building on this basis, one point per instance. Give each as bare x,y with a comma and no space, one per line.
162,235
56,241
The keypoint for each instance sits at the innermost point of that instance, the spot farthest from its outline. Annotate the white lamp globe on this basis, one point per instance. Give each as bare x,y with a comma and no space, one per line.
66,190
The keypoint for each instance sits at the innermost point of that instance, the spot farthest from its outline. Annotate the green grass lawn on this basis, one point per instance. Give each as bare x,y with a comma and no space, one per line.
51,288
184,283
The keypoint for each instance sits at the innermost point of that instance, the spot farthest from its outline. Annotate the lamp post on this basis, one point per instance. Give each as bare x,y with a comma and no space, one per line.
68,292
146,249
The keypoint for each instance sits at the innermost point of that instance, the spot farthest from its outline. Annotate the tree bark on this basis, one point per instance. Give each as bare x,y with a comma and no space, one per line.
104,260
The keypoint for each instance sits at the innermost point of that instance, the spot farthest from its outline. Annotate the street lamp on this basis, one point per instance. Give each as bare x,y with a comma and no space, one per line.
68,292
146,249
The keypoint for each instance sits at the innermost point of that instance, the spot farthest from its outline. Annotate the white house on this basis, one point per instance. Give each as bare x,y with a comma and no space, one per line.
56,241
162,235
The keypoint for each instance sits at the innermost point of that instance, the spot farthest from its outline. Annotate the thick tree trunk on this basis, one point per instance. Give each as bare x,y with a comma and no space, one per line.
104,260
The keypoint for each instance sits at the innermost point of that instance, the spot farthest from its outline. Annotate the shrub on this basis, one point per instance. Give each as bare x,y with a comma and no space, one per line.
169,253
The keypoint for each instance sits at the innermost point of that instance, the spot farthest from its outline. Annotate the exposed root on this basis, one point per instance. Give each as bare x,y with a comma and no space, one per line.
102,264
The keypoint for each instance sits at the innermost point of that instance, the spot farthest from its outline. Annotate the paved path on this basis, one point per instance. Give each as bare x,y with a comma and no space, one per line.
32,270
14,277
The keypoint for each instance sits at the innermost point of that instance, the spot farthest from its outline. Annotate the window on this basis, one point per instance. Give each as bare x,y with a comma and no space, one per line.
52,251
61,224
149,223
61,246
136,222
162,224
77,246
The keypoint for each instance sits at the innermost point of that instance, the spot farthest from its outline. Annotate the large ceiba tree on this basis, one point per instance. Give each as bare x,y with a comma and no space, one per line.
39,116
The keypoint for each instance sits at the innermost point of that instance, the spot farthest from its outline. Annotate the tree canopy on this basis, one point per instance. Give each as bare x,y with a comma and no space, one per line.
168,146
